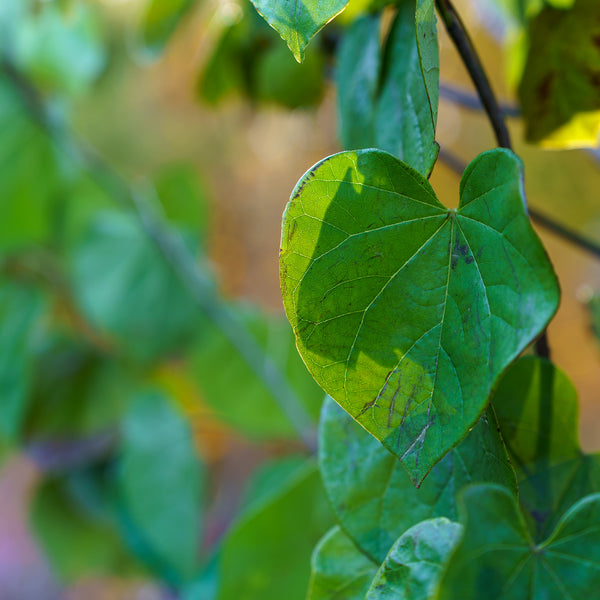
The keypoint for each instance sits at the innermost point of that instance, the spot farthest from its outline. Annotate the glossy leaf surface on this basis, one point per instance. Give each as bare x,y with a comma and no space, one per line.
497,557
405,312
339,570
536,406
560,88
371,493
297,21
413,567
161,483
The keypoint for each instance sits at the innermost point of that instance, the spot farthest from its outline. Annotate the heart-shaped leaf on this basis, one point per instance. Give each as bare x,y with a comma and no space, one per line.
405,312
415,563
536,406
297,21
497,557
371,492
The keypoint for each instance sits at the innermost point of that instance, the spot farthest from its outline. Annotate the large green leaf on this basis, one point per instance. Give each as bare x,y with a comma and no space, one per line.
266,555
159,21
371,492
297,21
78,537
216,362
126,288
415,563
339,570
497,557
372,84
560,88
21,309
161,481
536,406
405,312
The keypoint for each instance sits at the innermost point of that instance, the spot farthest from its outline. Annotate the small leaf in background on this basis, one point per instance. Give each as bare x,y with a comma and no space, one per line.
414,565
161,484
405,312
61,50
266,554
183,199
560,87
79,539
29,175
497,557
159,21
373,82
126,288
298,21
339,569
366,484
76,392
220,370
536,405
21,309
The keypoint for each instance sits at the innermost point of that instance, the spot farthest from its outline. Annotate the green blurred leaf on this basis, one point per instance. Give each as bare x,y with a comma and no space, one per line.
497,557
560,87
76,391
339,570
250,406
405,312
414,565
297,22
61,50
30,177
21,309
373,83
366,484
266,555
126,288
159,21
78,540
536,406
161,483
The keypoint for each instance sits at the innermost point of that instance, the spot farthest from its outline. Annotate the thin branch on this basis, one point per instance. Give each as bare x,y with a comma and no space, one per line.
472,62
469,101
173,249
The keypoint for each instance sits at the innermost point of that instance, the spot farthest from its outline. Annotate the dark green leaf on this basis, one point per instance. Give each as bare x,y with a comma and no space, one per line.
160,19
339,570
20,311
497,557
405,312
391,101
560,87
216,363
78,540
161,483
357,78
266,555
125,287
366,484
536,406
297,21
415,563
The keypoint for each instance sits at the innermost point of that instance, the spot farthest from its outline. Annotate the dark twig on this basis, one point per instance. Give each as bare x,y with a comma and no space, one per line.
472,62
469,101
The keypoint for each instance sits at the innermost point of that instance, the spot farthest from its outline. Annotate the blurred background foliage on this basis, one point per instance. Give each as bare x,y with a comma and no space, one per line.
157,424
